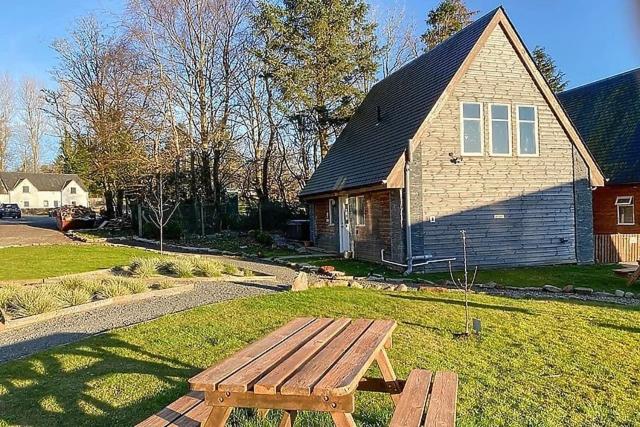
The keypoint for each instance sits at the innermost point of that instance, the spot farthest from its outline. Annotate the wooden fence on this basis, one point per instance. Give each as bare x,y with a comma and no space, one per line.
612,248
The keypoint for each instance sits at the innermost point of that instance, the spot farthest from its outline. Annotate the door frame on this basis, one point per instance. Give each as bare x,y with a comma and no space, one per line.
344,231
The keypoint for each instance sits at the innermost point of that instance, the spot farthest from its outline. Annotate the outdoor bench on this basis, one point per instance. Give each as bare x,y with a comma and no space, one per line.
313,364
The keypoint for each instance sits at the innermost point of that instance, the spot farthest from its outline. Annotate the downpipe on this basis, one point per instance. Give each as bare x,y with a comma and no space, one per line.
407,207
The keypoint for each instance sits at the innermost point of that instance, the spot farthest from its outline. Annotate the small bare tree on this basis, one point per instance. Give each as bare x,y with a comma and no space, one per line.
32,118
7,105
464,282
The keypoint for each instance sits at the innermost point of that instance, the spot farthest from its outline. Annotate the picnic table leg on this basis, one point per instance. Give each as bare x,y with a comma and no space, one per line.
218,416
288,418
341,419
389,375
262,413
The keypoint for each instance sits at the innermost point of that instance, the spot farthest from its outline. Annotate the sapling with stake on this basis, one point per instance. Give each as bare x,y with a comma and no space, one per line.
464,284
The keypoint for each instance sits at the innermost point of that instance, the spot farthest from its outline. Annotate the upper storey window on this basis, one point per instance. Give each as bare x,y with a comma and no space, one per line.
471,135
527,119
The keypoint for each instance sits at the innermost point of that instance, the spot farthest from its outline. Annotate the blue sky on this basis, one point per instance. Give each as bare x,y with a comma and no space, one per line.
589,39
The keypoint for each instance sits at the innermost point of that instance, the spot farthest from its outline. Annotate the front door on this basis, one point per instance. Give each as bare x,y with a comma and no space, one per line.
345,233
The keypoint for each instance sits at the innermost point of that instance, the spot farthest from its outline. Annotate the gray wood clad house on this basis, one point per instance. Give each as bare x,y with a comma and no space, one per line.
466,137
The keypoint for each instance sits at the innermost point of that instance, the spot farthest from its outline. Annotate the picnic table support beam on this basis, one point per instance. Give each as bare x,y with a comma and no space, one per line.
341,419
262,413
288,418
382,359
218,417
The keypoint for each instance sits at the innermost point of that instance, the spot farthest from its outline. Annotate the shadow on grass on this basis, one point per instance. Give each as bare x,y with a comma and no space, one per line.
461,303
631,329
44,390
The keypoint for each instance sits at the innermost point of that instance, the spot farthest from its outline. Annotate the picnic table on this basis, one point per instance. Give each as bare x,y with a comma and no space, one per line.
311,364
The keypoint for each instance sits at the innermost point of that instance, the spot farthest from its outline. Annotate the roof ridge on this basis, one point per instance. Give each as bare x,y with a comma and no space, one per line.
615,76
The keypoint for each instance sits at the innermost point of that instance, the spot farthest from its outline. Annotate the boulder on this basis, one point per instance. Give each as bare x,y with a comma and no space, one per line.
620,293
583,291
301,282
603,294
568,289
629,295
326,269
356,284
551,288
402,287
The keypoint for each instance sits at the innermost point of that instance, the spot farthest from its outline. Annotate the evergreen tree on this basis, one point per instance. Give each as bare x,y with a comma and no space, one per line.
549,70
445,20
326,56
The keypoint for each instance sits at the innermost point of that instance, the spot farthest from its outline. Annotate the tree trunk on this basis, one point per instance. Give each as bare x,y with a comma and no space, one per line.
217,187
119,203
108,200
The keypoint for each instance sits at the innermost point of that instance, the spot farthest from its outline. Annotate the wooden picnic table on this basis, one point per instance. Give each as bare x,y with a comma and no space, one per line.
309,364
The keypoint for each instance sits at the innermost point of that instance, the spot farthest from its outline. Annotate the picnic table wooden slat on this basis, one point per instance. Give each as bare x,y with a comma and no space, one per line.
244,378
174,410
208,379
410,408
193,418
441,410
270,383
303,381
343,377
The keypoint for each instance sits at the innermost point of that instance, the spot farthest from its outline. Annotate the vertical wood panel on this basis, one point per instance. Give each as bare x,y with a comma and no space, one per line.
613,248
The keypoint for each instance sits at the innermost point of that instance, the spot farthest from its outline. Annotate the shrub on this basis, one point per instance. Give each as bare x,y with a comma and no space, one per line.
207,268
145,267
165,284
87,285
6,293
70,297
115,287
247,272
264,238
172,231
29,301
181,267
232,269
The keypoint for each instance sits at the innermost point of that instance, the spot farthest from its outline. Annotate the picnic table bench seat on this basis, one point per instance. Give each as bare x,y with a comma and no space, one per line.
189,410
423,392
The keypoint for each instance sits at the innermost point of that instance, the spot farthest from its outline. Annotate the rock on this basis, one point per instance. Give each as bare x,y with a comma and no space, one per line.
356,284
375,286
602,294
389,287
500,286
490,285
568,288
402,288
425,288
326,269
583,291
551,288
395,280
629,295
301,282
620,293
338,283
531,288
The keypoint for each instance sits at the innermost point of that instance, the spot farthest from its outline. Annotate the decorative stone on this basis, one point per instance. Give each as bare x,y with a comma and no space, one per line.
551,288
584,291
395,280
356,284
301,282
568,289
603,294
629,295
402,288
326,269
491,285
338,283
620,293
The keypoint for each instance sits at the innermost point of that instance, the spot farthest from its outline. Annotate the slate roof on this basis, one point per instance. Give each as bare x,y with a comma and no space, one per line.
606,113
367,150
42,181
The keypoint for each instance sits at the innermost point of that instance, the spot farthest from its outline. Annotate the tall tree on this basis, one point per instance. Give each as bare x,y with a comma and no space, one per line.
397,42
7,105
445,20
32,120
547,66
328,56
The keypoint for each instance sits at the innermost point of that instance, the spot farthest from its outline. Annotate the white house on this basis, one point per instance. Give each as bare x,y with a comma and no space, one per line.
42,190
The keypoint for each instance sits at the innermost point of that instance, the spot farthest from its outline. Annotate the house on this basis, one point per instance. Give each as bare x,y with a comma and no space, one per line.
466,137
607,116
42,190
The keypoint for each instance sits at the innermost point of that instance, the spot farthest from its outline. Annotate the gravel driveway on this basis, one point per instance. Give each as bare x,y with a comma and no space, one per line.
74,327
30,230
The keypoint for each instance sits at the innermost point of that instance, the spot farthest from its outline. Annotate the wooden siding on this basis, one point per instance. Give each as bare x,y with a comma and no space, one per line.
605,213
613,248
325,234
516,210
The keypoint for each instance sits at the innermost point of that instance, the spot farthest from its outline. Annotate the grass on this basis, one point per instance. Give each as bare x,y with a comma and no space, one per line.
538,363
39,262
599,277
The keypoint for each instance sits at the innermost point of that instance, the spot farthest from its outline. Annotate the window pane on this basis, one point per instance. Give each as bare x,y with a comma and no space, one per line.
499,112
527,138
500,137
471,136
526,113
360,212
471,111
625,215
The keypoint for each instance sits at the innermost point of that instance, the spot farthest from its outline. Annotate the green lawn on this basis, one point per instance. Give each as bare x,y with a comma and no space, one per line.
39,262
599,277
538,363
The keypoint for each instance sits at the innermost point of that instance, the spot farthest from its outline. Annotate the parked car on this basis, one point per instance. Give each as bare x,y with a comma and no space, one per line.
10,210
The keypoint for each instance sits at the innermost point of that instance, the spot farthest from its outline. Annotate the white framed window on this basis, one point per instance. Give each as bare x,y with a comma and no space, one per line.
73,203
55,203
360,206
471,138
73,190
625,208
46,203
333,212
26,203
500,129
527,133
25,189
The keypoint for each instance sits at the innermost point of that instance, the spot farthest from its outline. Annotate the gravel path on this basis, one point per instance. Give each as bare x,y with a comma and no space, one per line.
74,327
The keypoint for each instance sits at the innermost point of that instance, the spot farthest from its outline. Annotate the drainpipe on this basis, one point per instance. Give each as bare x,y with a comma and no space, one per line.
407,206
